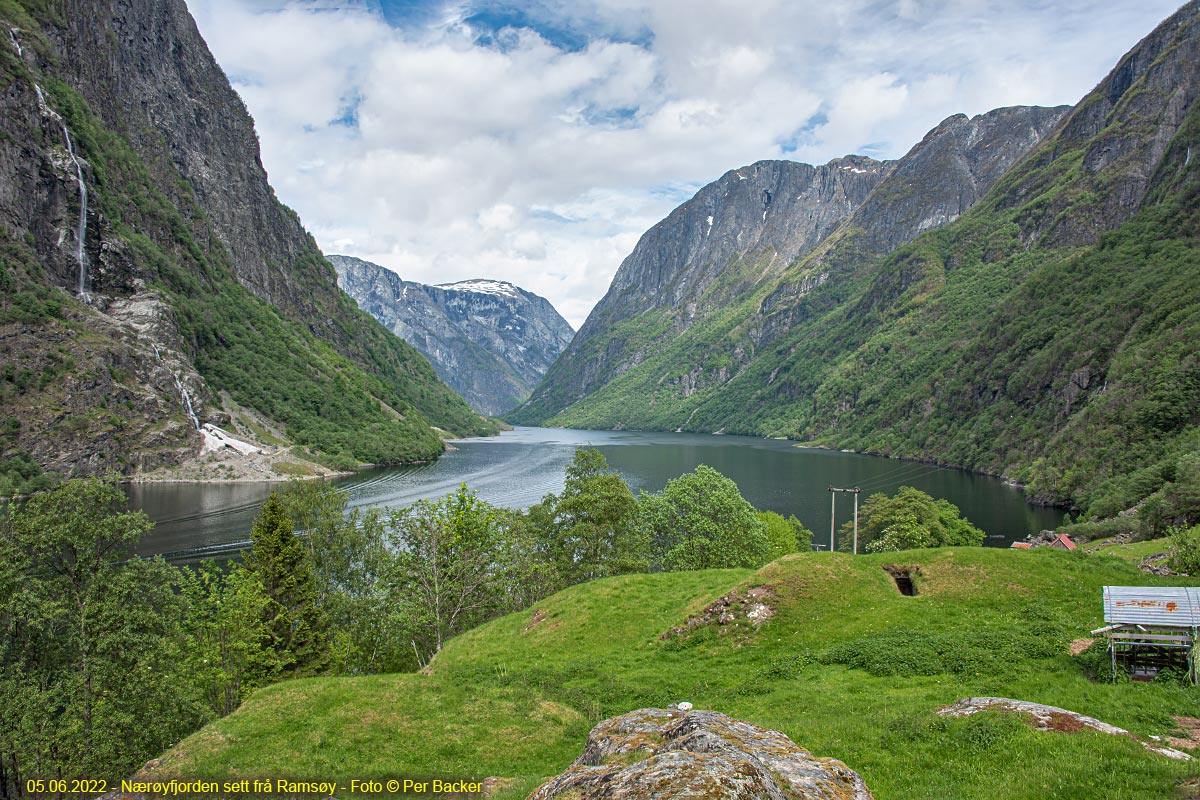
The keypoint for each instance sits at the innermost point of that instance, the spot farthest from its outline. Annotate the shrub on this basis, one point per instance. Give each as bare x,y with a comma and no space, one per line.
1184,554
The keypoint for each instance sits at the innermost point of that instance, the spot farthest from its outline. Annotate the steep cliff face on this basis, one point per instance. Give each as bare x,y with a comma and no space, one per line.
488,340
736,235
130,188
143,68
942,176
1017,295
744,235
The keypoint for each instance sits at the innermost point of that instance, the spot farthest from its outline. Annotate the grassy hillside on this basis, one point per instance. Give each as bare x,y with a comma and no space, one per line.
848,667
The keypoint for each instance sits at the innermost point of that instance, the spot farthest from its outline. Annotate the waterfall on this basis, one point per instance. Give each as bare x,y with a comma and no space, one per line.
81,227
81,230
187,401
12,37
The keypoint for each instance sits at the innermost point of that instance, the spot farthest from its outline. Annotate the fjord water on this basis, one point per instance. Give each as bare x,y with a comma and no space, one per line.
517,468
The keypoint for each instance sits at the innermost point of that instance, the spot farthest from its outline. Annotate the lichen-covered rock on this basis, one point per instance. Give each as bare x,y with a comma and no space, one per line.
668,753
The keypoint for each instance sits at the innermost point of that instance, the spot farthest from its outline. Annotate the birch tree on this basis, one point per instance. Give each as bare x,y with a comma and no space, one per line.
446,575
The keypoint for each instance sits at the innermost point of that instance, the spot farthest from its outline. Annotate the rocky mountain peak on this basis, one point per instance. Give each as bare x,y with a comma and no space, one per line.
1122,136
484,286
749,228
489,340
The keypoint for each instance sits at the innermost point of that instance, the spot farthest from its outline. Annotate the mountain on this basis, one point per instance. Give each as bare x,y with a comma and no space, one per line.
490,341
1020,295
152,281
743,235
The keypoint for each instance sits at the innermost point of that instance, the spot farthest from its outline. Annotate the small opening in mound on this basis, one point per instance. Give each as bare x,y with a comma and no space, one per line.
903,578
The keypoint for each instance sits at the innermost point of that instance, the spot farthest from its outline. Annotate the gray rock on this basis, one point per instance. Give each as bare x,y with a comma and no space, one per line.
745,230
490,341
178,199
669,753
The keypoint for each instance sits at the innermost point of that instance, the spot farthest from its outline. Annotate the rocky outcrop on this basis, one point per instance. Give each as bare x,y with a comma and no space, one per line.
489,340
1052,718
670,753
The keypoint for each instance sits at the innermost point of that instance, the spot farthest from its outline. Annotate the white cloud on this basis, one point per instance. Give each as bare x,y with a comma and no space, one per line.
415,147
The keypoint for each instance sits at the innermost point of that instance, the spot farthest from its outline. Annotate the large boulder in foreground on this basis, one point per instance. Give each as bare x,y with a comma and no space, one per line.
669,753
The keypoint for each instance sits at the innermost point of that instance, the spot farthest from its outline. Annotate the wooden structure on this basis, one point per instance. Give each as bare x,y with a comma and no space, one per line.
1153,627
1062,542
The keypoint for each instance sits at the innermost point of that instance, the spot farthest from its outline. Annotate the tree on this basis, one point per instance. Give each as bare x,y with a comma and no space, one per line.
701,521
91,675
529,572
229,649
446,575
280,563
349,557
784,535
910,520
593,523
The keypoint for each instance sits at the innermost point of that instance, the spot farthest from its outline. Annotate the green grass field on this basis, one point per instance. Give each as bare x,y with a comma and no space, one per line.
1133,552
848,667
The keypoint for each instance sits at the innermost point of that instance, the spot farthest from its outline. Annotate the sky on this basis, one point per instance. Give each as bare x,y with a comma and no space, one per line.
534,141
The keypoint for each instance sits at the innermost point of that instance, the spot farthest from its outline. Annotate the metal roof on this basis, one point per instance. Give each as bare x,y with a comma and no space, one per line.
1174,606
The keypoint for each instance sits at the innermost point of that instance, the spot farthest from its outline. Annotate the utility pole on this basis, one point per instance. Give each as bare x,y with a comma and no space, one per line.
832,514
854,492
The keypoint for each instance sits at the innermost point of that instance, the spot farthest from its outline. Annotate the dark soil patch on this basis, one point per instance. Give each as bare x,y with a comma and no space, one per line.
538,616
1063,723
903,578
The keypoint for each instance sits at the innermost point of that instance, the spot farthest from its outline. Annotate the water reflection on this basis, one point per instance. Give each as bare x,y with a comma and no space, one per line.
518,468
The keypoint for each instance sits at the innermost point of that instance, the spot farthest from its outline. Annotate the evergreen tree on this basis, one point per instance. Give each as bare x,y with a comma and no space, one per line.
350,561
294,621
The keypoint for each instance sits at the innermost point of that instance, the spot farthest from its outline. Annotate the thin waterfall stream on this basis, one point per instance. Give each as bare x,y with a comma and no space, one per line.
81,229
81,226
187,400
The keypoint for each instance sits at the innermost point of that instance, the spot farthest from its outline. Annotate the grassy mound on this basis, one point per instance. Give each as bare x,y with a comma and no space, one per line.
845,664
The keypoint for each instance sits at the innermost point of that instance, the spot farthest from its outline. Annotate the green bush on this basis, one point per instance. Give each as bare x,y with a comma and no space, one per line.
910,520
904,651
1184,553
785,534
701,521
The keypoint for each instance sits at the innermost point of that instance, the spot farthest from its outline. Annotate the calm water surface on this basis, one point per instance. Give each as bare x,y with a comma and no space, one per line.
517,468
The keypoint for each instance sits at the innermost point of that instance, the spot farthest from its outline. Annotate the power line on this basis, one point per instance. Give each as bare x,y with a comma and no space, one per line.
882,481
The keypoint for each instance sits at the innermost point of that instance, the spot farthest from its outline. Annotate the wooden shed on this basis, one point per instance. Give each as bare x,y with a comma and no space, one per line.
1062,542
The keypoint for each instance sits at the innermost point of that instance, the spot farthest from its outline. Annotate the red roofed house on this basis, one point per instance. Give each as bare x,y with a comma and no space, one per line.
1020,546
1063,542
